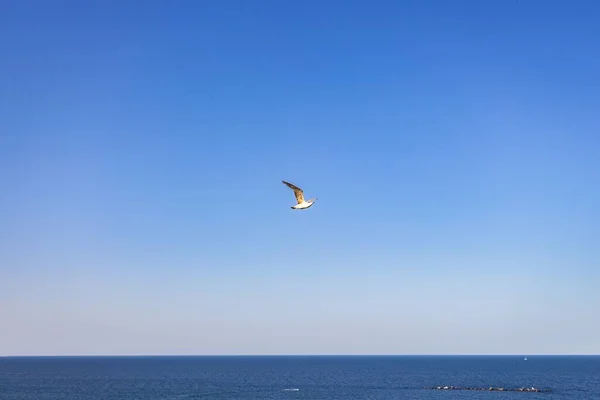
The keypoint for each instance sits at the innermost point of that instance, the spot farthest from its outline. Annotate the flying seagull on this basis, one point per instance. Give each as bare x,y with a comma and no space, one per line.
300,197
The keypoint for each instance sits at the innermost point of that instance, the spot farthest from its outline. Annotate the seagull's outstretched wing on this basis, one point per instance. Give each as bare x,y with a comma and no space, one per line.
297,192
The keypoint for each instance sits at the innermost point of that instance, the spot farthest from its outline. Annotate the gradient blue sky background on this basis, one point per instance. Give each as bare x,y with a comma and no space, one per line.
454,148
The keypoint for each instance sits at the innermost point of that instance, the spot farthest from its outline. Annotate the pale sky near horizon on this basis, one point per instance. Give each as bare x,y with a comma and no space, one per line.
454,148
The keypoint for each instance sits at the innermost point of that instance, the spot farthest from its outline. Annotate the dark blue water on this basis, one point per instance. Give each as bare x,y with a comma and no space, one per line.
295,378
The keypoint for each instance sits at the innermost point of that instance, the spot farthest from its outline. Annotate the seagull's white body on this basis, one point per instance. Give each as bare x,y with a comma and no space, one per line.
301,203
302,206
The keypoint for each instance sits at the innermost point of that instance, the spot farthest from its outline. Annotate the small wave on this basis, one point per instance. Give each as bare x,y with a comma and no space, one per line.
291,390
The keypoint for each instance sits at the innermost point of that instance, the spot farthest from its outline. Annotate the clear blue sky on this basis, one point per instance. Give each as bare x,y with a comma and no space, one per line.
454,148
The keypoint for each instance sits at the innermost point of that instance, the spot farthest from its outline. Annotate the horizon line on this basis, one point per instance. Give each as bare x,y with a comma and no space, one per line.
303,355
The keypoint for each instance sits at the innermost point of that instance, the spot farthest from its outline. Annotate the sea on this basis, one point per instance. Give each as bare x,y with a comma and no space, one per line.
299,377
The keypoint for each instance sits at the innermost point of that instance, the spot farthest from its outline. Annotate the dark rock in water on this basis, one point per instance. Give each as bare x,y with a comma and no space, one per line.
492,389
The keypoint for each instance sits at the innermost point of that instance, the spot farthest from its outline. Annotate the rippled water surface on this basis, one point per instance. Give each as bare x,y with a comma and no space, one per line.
314,378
